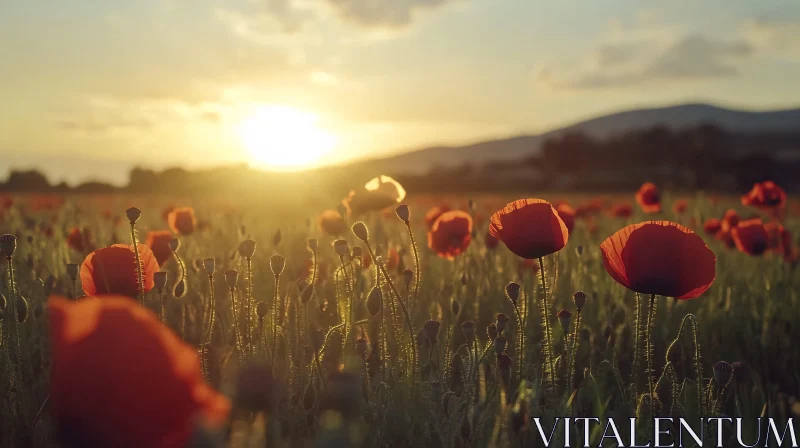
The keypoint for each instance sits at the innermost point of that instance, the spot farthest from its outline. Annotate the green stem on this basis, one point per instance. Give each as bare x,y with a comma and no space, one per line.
545,317
138,264
650,315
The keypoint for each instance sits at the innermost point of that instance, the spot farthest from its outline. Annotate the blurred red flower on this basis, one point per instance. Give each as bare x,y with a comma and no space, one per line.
182,220
450,234
158,242
80,241
121,379
660,257
649,198
680,206
530,228
730,219
112,270
621,210
712,226
433,214
332,223
765,195
750,237
567,215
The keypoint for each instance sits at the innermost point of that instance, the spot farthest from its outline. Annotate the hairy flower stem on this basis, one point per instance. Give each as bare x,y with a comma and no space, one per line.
275,322
545,317
161,306
350,293
520,341
138,264
637,310
650,315
575,344
236,330
248,310
417,273
210,328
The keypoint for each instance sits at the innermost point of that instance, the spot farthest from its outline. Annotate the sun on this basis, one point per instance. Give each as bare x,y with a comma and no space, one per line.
285,138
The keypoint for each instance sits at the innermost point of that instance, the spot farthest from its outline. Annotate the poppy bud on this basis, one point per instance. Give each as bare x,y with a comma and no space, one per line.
408,277
374,301
455,307
361,347
174,244
8,245
160,280
500,344
261,309
276,239
360,231
403,213
231,278
307,293
491,331
512,292
72,271
179,290
340,246
579,298
564,318
357,252
468,330
502,320
247,248
722,373
209,264
277,263
431,328
133,214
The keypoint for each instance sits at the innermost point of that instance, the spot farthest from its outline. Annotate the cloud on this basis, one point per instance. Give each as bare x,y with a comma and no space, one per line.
384,13
775,37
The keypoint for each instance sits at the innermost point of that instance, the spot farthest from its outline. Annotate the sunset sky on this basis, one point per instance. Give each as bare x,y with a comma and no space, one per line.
90,89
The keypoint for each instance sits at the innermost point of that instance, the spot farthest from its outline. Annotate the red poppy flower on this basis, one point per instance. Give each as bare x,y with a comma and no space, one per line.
112,270
730,220
680,206
712,226
158,242
751,237
765,195
530,228
622,210
331,222
80,241
491,242
660,257
434,213
182,220
450,234
567,214
121,379
649,198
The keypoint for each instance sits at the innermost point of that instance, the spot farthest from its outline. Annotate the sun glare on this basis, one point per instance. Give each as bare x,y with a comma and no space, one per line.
285,138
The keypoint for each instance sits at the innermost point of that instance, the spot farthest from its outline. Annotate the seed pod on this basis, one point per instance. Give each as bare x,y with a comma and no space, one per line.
455,307
374,301
468,330
72,271
564,318
247,248
313,244
160,280
403,213
261,309
276,239
340,246
209,264
502,320
231,278
277,263
8,245
360,231
174,244
579,298
307,293
431,328
133,214
22,309
500,344
357,252
361,347
512,292
408,277
491,331
722,373
179,289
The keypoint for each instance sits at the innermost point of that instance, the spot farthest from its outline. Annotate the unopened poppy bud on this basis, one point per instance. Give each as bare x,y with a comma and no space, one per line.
431,328
231,278
502,320
564,318
357,252
307,293
276,239
340,246
277,263
133,214
468,330
179,290
360,231
491,331
209,264
512,292
403,213
455,307
361,347
8,245
579,298
408,277
374,301
500,344
722,373
247,248
72,271
261,309
313,244
160,280
174,244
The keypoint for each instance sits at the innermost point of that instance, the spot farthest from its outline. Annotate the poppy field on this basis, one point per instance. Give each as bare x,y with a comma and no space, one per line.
392,319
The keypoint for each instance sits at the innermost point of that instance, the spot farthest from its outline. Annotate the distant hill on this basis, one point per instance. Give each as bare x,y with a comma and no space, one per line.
514,148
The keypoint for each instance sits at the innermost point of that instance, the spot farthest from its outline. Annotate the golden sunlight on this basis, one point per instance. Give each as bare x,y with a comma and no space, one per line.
284,137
